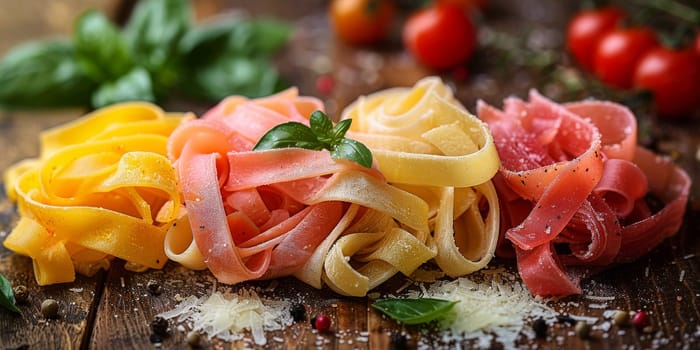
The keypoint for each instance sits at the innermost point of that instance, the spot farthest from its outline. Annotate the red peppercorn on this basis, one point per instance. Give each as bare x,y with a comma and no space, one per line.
322,323
325,84
640,319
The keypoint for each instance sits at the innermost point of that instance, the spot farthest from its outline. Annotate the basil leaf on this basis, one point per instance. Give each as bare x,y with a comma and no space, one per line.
154,31
135,86
100,47
414,311
352,150
231,76
234,37
43,74
290,134
340,129
321,126
7,295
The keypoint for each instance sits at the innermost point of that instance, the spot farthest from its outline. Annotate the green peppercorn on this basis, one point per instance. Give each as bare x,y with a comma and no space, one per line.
621,318
193,339
49,308
582,329
21,294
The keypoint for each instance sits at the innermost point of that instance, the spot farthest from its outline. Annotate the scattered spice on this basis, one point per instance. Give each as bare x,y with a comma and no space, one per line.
159,326
640,319
399,341
298,312
193,339
621,318
582,329
322,323
154,287
566,319
155,338
540,328
21,294
49,308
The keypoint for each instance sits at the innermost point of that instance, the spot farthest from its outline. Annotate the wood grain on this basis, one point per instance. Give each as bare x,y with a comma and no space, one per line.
114,309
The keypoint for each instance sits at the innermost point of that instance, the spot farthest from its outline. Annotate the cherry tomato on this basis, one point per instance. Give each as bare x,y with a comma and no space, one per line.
468,4
585,30
440,36
696,44
673,77
618,52
362,22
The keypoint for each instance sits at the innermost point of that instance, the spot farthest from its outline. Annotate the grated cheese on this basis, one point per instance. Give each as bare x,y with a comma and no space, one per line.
495,309
230,316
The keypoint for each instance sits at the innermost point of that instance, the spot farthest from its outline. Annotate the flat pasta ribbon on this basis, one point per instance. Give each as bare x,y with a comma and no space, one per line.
102,188
426,143
572,186
286,212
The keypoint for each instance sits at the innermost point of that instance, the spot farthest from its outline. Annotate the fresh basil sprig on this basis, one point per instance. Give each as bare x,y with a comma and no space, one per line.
320,134
7,295
160,53
414,311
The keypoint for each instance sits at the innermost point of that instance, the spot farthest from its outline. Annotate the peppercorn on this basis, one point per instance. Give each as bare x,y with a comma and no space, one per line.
154,287
582,329
621,318
49,308
540,328
298,312
21,294
193,339
322,323
155,338
399,341
640,319
159,325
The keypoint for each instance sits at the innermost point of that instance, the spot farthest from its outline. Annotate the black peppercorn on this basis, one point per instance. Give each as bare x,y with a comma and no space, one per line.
160,326
540,328
298,312
155,338
399,341
154,287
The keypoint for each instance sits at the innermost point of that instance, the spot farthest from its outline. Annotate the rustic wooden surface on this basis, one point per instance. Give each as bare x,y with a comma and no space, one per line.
113,309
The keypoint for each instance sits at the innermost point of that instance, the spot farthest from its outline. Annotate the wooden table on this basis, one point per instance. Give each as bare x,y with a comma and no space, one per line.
113,309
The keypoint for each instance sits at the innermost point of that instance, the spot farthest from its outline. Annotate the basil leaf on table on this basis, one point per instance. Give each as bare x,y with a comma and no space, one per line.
44,74
135,86
414,311
7,295
153,34
100,47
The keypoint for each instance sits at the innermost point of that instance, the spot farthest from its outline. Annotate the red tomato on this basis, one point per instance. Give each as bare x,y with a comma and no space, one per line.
619,51
468,4
586,29
440,36
697,43
673,76
362,21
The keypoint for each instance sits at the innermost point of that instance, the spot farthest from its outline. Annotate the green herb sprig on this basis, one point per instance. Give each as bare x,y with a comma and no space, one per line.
320,134
414,311
7,295
159,53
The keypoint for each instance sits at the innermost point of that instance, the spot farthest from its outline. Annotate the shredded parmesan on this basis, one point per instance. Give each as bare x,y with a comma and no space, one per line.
494,310
229,316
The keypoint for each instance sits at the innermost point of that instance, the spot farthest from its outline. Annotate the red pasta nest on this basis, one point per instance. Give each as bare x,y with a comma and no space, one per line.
572,187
